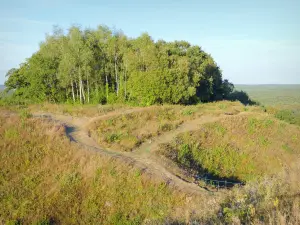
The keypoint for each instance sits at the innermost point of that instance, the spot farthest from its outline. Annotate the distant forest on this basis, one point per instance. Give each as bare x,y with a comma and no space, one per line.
105,66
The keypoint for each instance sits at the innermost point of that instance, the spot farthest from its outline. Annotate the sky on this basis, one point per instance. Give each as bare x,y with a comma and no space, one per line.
253,42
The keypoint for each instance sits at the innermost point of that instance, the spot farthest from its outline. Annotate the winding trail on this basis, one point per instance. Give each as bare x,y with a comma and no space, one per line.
77,131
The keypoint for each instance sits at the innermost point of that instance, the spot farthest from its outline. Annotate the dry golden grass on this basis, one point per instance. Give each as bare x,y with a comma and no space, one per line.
77,110
44,178
128,131
268,200
125,132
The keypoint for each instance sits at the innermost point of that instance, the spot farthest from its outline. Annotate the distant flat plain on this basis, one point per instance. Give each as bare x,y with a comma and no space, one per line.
272,95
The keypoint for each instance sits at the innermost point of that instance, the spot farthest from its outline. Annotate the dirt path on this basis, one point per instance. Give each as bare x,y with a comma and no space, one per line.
187,126
76,130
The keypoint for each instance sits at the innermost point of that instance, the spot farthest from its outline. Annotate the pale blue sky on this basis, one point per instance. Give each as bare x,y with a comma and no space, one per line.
253,42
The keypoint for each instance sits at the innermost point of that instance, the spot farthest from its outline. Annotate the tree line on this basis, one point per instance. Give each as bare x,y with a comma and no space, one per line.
105,66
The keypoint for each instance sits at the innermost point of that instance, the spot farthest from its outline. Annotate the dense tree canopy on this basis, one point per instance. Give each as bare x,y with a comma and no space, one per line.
101,65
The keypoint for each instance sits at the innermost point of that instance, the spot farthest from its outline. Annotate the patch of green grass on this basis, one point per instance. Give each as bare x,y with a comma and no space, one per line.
236,147
113,137
25,114
223,106
286,148
11,133
256,125
218,128
188,111
263,141
125,132
290,116
222,161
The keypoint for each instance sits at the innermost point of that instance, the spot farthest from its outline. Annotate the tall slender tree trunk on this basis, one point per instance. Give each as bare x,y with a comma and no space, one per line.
77,94
116,73
80,94
88,87
73,94
82,89
125,81
106,87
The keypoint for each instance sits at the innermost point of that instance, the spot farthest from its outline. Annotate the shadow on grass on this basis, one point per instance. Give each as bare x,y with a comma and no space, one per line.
219,182
69,131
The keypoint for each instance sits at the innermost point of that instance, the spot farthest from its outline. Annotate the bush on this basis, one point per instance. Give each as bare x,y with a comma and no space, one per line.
241,96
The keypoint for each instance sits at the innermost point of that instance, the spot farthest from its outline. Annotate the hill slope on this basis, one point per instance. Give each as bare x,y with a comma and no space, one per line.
45,178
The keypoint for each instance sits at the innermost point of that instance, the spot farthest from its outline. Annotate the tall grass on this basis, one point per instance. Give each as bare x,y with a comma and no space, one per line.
237,147
126,132
45,179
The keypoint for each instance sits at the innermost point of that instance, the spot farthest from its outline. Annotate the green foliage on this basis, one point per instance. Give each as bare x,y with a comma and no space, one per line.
236,147
188,111
241,96
25,114
11,133
113,137
290,116
102,66
222,160
185,155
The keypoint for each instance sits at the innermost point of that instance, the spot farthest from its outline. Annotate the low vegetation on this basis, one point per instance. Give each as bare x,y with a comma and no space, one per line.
77,110
45,179
288,115
237,147
268,200
128,131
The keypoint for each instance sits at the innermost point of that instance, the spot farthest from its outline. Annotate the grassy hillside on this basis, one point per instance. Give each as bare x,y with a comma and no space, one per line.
273,94
224,139
44,179
77,110
127,132
237,147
